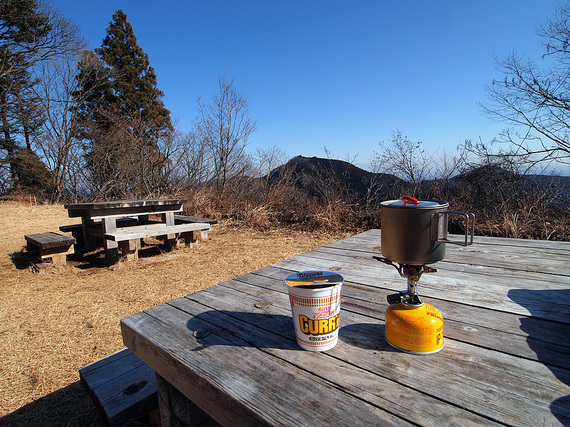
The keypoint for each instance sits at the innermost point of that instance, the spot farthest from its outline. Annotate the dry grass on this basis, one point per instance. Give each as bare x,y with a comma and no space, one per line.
56,321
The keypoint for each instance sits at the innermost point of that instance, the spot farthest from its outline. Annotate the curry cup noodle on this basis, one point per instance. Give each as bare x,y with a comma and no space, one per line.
315,306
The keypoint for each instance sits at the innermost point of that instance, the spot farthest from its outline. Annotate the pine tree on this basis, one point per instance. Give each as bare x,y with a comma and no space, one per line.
123,115
134,80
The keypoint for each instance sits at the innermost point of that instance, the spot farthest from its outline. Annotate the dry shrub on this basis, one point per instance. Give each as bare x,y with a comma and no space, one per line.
331,216
200,203
260,217
264,206
513,205
526,224
506,204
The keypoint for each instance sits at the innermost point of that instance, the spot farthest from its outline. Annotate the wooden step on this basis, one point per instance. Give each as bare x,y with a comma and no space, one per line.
122,386
51,245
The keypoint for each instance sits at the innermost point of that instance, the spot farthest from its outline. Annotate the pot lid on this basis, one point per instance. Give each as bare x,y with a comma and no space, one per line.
314,278
411,203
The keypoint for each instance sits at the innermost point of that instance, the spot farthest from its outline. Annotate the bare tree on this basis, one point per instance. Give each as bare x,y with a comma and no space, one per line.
57,142
405,159
189,161
268,159
535,101
224,127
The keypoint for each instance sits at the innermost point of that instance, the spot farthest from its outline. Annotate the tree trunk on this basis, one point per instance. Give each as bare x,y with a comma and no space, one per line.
7,142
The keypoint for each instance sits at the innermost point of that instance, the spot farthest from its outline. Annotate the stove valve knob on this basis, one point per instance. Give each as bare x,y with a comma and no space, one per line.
394,298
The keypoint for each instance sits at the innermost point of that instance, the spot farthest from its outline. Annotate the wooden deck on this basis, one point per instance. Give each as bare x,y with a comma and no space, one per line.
231,348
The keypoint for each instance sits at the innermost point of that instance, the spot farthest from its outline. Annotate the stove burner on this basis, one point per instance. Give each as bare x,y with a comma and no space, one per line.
412,325
413,274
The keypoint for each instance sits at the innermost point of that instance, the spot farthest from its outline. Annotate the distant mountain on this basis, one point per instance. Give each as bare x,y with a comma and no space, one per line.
318,177
494,179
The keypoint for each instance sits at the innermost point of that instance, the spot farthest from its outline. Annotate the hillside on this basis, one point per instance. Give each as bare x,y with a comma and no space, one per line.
319,177
323,178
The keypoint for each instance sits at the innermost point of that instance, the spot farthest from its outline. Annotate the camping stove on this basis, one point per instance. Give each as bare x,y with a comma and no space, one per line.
414,234
411,324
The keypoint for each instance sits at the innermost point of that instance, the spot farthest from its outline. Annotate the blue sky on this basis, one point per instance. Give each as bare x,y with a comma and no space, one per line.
337,74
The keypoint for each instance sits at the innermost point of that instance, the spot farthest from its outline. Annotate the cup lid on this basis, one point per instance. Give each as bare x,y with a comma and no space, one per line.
314,278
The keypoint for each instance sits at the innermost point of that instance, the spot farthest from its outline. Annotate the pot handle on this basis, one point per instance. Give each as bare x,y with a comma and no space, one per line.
410,200
469,228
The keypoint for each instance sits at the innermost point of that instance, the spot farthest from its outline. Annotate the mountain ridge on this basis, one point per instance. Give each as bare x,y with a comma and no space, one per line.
319,177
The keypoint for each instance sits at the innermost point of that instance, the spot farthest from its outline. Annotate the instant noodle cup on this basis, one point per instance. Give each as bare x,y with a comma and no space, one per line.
315,307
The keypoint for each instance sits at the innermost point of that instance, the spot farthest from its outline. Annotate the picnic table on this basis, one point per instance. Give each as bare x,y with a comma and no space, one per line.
229,351
124,222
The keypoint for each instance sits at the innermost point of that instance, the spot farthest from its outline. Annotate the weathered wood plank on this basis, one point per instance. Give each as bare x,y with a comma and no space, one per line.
122,386
517,403
523,336
153,231
129,396
277,338
49,240
123,222
98,210
371,238
231,348
51,245
111,247
186,219
245,378
523,258
113,361
485,289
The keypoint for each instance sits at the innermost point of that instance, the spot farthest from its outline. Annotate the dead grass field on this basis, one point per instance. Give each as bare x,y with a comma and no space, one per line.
54,322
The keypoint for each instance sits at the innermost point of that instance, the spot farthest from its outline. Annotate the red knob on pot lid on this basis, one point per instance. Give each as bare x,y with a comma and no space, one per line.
410,200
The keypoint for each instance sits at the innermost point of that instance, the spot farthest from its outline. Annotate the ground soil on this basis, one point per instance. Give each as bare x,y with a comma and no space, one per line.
56,319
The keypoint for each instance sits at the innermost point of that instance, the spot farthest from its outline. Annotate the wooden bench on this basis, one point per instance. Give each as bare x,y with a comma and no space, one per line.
95,233
122,386
129,238
51,245
78,228
155,230
181,219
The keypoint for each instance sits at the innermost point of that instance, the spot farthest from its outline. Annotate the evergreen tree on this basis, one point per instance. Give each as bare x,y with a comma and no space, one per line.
134,80
94,97
24,40
123,115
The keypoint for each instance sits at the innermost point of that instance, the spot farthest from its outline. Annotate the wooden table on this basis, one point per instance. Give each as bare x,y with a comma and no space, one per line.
231,350
108,212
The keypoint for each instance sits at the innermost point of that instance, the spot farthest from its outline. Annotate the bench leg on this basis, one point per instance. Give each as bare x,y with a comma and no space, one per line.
57,255
130,249
59,260
187,238
168,218
79,240
90,242
111,247
175,408
192,237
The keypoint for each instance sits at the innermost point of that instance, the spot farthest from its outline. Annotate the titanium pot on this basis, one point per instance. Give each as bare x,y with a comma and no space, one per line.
414,232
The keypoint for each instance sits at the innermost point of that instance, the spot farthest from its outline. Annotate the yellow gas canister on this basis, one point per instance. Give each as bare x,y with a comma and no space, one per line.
414,329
